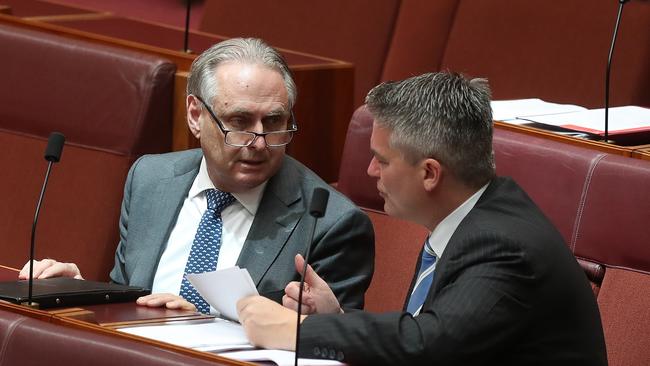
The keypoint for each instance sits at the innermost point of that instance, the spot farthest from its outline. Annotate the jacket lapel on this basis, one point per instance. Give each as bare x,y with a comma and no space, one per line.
278,215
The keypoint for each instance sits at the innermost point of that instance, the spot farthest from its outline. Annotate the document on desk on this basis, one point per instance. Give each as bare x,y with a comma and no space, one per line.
625,119
511,110
223,288
214,335
279,357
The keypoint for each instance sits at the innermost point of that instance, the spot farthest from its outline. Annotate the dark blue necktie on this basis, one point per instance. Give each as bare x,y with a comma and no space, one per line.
423,282
205,248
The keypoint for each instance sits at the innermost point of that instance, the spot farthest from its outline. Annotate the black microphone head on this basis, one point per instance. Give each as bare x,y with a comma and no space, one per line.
54,147
319,202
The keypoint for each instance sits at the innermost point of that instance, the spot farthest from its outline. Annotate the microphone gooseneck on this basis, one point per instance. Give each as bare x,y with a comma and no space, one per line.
316,210
609,66
52,155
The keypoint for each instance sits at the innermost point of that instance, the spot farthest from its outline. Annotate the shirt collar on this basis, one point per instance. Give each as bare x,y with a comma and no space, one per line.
250,199
440,236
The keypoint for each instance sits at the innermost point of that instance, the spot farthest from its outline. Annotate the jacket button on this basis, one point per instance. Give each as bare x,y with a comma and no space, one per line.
340,356
332,354
323,352
316,351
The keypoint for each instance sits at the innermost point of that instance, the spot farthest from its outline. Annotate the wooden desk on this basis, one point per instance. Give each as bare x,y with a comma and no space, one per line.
109,316
325,86
637,151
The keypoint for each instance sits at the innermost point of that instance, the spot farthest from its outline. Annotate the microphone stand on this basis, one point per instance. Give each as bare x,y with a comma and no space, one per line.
609,66
52,155
31,246
317,210
187,26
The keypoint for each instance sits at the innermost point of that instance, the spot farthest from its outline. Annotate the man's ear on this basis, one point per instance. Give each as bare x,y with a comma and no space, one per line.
193,107
432,173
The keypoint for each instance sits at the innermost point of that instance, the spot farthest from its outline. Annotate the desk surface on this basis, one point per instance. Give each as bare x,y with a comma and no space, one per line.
109,316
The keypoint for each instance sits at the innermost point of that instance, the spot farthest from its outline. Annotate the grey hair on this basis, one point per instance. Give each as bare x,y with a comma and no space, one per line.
442,116
202,80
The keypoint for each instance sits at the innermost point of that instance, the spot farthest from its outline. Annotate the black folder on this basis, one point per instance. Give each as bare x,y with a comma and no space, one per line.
67,292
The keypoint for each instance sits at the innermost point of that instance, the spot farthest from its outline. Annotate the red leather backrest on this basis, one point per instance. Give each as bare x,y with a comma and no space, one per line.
556,51
99,96
397,246
36,342
112,104
354,182
614,227
553,174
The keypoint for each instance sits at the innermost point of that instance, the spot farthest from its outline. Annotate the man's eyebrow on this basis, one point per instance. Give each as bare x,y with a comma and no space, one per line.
376,154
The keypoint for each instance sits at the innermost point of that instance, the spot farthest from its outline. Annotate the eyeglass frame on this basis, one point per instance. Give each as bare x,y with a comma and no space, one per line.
219,123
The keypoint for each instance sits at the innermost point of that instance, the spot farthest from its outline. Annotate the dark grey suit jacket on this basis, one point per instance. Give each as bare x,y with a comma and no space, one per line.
507,291
342,250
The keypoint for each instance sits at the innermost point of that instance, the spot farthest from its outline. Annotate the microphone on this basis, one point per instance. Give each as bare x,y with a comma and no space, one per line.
609,66
52,155
317,210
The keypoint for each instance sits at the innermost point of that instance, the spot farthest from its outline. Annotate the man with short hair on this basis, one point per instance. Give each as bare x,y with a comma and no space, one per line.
239,188
495,283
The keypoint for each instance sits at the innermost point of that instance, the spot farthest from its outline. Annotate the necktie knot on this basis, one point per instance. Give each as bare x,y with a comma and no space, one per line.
218,200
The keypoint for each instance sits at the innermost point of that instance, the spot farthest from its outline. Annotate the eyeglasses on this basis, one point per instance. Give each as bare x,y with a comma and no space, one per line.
247,138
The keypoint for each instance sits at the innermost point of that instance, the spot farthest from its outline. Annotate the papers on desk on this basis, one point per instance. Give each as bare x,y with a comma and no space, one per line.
622,120
213,335
218,336
223,288
281,358
513,110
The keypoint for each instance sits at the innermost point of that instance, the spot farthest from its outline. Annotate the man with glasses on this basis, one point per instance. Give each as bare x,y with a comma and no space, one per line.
240,188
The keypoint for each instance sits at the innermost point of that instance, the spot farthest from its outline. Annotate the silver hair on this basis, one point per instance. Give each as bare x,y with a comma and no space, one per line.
442,116
202,80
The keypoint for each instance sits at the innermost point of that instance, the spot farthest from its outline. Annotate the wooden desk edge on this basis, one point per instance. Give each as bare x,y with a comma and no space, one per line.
597,145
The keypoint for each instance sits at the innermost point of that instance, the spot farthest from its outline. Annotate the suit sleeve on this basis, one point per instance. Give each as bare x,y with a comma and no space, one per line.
344,257
118,273
482,302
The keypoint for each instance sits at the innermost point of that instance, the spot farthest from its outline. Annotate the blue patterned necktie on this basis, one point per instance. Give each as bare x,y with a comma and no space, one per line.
423,283
205,248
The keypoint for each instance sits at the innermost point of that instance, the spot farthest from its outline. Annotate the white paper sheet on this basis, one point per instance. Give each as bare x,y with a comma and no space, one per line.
621,120
509,110
223,288
282,358
208,335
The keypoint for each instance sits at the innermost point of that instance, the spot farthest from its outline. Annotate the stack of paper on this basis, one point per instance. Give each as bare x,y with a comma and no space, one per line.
511,110
622,120
568,117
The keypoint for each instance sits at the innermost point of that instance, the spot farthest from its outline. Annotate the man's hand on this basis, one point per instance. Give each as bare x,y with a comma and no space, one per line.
50,268
268,324
169,301
317,297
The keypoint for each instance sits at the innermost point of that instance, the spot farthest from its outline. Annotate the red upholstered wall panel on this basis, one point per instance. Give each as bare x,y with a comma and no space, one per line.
420,38
355,31
555,51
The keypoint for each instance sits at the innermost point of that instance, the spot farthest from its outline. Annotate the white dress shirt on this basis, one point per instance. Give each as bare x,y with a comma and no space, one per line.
237,220
440,236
